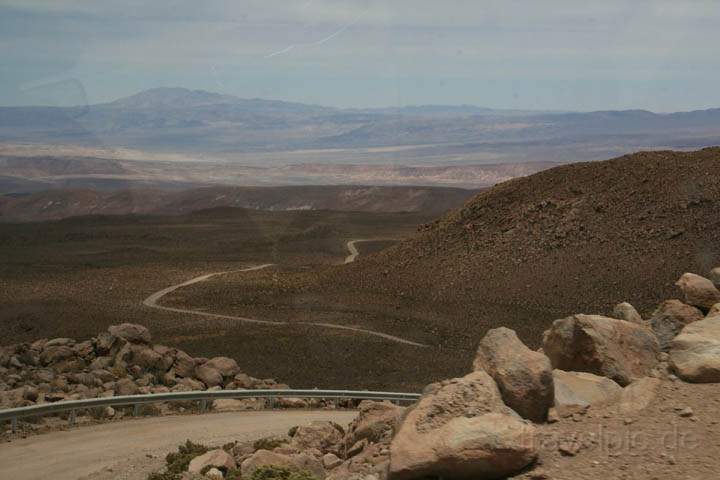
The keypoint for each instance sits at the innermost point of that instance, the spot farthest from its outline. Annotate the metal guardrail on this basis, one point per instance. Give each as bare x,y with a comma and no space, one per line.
72,406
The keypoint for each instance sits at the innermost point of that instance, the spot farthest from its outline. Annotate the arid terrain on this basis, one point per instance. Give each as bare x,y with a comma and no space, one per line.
522,254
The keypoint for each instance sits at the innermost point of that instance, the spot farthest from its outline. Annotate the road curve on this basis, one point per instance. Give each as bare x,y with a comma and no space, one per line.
123,450
152,302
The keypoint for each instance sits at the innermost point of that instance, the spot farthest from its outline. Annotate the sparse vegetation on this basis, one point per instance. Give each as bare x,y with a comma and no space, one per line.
281,473
268,443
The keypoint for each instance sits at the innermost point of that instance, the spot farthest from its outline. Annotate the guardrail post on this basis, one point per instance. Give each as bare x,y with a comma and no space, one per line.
136,410
14,424
72,417
203,406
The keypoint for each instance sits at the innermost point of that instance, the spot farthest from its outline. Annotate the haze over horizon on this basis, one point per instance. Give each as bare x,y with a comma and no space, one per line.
651,55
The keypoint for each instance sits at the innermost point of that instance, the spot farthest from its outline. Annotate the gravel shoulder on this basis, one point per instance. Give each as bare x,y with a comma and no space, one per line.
131,449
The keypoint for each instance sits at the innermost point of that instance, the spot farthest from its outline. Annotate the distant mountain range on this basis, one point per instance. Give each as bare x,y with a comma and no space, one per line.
195,121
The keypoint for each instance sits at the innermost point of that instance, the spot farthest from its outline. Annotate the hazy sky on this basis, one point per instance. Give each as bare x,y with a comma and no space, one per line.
551,54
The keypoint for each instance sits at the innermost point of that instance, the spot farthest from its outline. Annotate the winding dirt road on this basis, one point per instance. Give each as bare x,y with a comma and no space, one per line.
152,302
131,449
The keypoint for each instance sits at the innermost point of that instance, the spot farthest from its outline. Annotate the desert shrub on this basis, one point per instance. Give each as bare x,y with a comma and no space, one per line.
338,427
177,462
281,473
268,443
233,474
292,431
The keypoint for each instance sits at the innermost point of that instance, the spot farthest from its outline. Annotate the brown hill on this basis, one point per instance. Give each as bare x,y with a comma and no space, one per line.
57,204
576,238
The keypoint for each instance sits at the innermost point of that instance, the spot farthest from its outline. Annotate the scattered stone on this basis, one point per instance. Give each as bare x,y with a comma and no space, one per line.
523,376
330,461
698,291
214,473
616,349
579,390
321,435
210,376
130,332
227,367
375,422
670,318
126,386
569,448
638,395
686,412
218,458
715,276
625,311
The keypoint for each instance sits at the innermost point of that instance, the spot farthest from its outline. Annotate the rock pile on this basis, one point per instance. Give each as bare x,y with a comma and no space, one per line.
481,425
121,361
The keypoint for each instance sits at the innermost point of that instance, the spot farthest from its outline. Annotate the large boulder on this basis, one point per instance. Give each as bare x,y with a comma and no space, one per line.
323,436
130,332
226,366
214,458
578,390
375,422
671,317
695,352
461,428
698,291
208,375
524,376
715,310
616,349
184,365
266,458
146,357
625,311
56,354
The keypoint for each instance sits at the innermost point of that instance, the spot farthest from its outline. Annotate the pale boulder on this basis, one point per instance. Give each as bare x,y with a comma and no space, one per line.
638,395
490,446
460,428
323,436
579,390
617,349
523,376
698,291
218,458
695,352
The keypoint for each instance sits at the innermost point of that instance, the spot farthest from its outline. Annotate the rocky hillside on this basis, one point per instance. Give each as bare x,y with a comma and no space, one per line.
578,237
600,400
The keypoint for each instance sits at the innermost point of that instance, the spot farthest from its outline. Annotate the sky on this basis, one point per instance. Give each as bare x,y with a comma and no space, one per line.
549,55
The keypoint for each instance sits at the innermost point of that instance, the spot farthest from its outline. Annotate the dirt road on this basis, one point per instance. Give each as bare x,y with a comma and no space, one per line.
152,302
131,449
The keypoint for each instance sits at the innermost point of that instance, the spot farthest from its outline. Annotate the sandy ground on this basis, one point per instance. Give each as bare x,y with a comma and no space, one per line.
131,449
